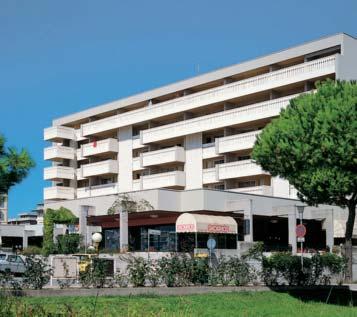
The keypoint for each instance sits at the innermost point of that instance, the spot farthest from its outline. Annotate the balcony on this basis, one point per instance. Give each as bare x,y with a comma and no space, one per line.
236,142
79,155
137,164
164,156
258,111
100,148
58,134
164,180
59,153
239,169
137,142
272,80
107,167
79,174
137,184
209,176
56,173
257,190
98,190
209,150
58,193
79,136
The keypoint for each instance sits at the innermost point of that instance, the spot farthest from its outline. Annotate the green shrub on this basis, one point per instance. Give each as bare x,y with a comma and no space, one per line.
68,243
281,268
31,250
137,269
37,273
95,274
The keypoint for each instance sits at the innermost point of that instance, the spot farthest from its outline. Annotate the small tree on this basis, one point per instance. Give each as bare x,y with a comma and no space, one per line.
313,145
14,166
52,216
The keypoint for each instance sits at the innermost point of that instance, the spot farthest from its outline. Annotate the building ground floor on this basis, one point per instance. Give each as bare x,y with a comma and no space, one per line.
272,220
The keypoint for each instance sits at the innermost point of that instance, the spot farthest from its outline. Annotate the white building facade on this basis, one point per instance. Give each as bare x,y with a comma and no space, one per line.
195,135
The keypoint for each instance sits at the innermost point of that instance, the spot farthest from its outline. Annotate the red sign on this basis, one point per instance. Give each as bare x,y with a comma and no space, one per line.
185,227
300,231
218,228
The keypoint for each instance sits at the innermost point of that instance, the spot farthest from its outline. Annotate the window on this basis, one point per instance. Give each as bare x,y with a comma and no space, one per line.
246,184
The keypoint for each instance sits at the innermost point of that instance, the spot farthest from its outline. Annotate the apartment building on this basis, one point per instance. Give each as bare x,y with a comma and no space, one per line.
194,136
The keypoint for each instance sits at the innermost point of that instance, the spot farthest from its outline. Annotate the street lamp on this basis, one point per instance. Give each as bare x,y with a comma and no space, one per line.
97,238
300,210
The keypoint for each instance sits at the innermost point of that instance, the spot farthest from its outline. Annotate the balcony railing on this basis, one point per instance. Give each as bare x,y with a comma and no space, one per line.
100,147
137,142
100,168
236,142
164,180
164,156
209,150
137,184
98,190
79,136
79,155
58,173
58,193
137,164
58,153
79,173
58,134
239,169
257,190
285,76
209,175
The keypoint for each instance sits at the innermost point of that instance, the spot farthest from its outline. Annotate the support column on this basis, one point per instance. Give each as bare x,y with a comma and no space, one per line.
292,230
248,223
124,231
193,165
125,159
25,240
328,226
83,214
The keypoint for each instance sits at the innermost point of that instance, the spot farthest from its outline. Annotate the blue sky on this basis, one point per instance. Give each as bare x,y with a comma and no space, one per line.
59,57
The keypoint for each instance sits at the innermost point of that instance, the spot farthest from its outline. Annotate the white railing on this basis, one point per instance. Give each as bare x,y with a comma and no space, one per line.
58,133
99,147
79,155
79,174
79,136
58,172
257,190
209,175
239,169
58,152
163,156
217,120
236,142
58,192
137,142
164,180
286,76
209,150
100,168
98,190
137,184
137,164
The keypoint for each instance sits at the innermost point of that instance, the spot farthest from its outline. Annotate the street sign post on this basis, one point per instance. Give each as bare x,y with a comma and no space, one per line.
300,234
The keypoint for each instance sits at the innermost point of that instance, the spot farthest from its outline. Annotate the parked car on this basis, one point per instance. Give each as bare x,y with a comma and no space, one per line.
12,263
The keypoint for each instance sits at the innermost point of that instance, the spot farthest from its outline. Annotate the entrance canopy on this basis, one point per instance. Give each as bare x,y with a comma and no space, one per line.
206,224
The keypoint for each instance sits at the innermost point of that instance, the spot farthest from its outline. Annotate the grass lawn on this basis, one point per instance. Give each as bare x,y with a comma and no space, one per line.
257,304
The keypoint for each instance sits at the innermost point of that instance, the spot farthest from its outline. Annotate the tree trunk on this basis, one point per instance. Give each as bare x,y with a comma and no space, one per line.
348,240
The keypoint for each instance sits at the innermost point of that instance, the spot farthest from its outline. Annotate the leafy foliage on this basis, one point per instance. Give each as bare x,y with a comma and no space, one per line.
95,274
138,268
68,243
52,216
14,166
282,268
128,204
37,273
313,144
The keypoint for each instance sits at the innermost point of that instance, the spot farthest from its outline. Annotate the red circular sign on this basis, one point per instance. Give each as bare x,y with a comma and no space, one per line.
300,231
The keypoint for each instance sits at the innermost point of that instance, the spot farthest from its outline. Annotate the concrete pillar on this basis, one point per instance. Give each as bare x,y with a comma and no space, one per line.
248,223
83,214
125,159
292,230
328,226
124,231
193,165
25,240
